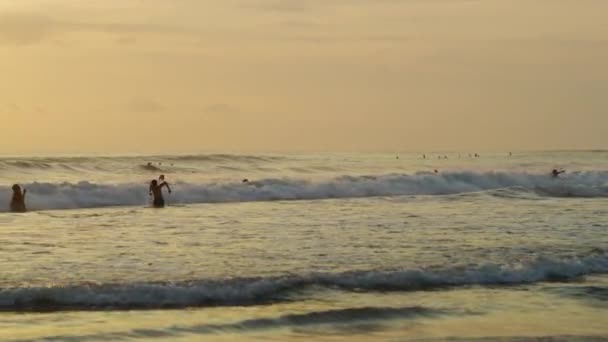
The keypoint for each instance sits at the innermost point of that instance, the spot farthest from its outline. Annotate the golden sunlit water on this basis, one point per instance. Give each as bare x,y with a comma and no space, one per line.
325,247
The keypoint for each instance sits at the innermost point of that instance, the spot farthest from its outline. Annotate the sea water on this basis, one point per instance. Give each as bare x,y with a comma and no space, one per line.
312,247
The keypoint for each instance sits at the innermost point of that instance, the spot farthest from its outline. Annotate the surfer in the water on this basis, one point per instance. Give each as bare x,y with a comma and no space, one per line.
18,200
556,173
156,190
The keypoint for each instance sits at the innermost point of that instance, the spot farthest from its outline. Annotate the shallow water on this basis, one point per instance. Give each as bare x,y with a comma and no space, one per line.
367,247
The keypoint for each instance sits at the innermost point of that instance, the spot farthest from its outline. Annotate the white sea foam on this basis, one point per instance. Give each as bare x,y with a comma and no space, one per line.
249,291
90,195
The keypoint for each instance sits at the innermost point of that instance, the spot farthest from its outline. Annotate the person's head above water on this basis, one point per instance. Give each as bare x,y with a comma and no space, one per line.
154,182
161,178
16,188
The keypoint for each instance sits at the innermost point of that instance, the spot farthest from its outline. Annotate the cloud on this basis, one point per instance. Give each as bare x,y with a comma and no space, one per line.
145,105
22,29
219,109
126,40
25,28
335,39
281,6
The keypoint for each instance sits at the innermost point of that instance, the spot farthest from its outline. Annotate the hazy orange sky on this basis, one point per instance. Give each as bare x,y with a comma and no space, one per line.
123,76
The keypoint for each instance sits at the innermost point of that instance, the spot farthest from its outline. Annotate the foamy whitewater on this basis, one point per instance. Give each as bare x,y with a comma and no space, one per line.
313,246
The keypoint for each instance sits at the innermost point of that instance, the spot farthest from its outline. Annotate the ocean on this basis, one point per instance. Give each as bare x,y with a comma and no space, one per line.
314,247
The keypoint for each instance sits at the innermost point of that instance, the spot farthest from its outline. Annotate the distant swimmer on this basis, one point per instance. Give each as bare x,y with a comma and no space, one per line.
245,180
424,156
18,200
156,190
436,171
150,167
556,173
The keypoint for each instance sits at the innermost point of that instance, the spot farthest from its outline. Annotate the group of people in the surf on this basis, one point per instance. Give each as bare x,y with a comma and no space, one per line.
17,204
155,190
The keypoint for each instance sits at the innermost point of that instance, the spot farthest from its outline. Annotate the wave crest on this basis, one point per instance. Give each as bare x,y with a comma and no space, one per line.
251,291
90,195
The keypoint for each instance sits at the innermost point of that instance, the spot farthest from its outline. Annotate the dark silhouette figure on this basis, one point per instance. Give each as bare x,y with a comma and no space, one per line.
556,173
18,200
245,180
156,190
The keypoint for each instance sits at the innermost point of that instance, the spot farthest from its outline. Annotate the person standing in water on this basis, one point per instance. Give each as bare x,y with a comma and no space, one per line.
18,200
156,190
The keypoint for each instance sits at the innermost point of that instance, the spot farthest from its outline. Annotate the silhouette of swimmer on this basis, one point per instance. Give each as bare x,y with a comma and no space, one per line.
18,200
436,171
156,190
150,167
245,180
556,173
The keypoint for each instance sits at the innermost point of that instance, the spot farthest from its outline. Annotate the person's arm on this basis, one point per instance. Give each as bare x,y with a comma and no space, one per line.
150,191
167,185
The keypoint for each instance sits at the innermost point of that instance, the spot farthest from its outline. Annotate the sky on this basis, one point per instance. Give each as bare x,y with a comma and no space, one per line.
158,76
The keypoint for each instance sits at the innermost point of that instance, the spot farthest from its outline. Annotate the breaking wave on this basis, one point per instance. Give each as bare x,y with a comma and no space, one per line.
253,291
501,184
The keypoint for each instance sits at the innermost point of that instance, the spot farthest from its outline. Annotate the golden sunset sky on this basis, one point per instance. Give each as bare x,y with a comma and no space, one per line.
125,76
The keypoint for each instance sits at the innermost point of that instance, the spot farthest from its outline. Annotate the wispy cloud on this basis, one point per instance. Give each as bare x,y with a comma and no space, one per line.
145,105
23,28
